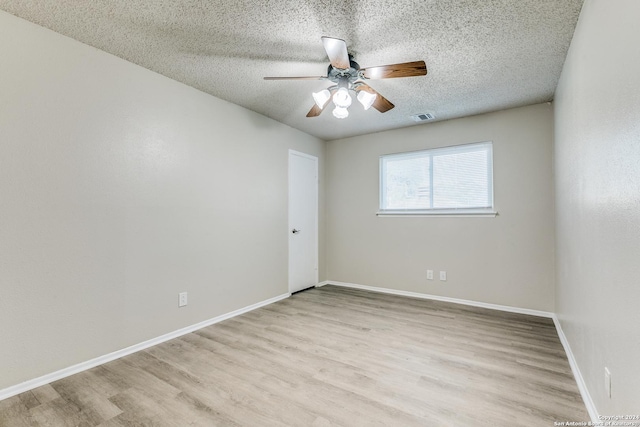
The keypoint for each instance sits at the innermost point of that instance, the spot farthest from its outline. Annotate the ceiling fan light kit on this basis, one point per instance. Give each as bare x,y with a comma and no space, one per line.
340,113
366,99
342,98
321,97
348,76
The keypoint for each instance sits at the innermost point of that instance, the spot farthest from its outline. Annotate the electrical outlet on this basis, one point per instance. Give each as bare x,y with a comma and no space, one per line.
182,299
429,274
443,276
607,382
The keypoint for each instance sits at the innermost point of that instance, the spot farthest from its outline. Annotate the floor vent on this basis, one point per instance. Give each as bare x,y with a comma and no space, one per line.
423,117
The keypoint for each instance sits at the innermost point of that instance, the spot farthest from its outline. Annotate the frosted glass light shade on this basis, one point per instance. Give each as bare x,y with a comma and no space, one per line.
340,113
366,99
342,98
321,97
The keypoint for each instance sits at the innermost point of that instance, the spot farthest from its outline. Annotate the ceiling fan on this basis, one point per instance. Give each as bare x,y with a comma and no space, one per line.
348,76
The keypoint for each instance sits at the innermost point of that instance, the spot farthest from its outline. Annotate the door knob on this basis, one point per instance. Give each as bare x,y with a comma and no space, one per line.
294,231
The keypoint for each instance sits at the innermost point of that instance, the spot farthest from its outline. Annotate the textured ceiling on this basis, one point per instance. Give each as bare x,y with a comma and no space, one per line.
482,55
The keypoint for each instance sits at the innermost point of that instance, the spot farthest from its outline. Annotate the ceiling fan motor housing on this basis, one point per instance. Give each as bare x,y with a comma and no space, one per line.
345,78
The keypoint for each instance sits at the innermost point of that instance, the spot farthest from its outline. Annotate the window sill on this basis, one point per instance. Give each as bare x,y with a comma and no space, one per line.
443,213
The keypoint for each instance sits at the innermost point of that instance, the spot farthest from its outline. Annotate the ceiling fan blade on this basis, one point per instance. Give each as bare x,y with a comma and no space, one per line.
316,111
406,69
381,103
296,78
337,52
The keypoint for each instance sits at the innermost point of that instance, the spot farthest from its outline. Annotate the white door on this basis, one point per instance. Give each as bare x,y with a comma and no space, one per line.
303,221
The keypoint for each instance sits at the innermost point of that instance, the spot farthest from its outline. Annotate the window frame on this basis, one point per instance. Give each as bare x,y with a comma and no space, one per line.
457,212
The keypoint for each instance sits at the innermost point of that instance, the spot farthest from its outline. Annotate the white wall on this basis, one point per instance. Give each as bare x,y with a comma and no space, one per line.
597,166
505,260
120,188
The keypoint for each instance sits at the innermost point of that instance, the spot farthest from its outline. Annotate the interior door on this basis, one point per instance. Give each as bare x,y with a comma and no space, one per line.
303,221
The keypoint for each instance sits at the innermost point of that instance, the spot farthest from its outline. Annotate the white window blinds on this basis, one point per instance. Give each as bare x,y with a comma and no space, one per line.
455,179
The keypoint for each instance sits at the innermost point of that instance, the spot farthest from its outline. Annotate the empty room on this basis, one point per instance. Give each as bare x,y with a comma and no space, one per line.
305,213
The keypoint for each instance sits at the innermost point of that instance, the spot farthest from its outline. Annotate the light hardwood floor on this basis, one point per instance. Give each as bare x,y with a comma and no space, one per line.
324,357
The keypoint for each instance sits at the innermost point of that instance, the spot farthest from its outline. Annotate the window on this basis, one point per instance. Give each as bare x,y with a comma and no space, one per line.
451,180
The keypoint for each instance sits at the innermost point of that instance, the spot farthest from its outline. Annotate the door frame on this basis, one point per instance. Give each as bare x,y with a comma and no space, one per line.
316,214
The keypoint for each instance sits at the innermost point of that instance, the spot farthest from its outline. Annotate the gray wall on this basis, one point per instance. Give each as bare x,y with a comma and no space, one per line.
120,188
597,166
505,260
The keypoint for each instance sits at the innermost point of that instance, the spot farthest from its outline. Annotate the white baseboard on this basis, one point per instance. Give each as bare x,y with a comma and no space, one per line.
83,366
582,386
440,298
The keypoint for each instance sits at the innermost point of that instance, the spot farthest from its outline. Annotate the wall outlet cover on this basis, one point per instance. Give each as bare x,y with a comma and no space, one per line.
182,299
443,276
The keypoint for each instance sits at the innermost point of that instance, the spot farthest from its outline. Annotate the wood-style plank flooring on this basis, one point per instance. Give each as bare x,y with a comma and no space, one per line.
328,357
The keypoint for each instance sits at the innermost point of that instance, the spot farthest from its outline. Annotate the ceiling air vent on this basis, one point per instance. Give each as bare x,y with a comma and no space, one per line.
423,117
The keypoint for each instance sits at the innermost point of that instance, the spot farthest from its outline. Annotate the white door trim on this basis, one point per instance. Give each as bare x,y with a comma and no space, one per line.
301,154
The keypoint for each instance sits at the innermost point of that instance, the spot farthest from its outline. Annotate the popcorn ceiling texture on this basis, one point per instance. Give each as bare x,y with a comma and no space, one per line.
482,55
